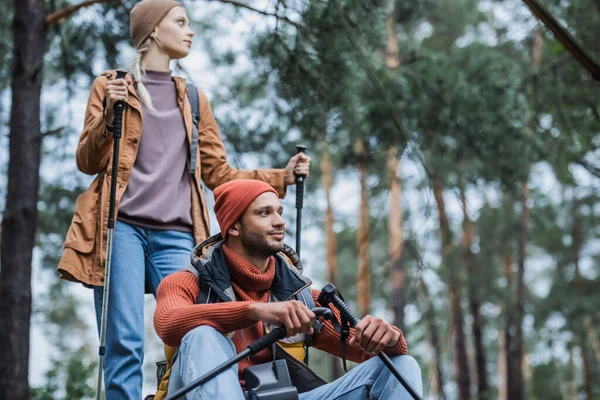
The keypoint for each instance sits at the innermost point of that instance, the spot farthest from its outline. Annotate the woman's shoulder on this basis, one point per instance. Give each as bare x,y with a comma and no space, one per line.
201,93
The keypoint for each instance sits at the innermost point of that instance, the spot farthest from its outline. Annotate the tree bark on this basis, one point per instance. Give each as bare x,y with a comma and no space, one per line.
396,239
435,340
19,219
461,364
502,366
516,384
588,381
392,56
364,276
585,333
469,257
330,239
593,335
396,218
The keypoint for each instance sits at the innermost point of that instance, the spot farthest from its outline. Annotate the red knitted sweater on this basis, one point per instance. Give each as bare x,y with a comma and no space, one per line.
177,312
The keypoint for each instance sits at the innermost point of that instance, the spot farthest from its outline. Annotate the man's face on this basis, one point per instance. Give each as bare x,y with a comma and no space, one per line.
261,228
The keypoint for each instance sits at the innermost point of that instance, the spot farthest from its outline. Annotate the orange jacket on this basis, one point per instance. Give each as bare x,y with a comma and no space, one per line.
84,255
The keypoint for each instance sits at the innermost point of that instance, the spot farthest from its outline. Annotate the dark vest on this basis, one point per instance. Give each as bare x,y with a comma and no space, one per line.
209,265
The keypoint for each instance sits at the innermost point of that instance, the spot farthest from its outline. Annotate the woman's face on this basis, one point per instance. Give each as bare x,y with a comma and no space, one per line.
173,35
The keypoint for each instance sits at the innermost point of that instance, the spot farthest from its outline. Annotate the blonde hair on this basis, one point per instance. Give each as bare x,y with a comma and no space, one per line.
138,73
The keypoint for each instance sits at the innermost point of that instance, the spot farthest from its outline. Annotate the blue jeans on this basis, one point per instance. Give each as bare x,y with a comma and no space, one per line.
204,348
141,258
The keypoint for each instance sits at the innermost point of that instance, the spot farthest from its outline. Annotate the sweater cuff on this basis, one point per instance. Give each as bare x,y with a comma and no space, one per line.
400,348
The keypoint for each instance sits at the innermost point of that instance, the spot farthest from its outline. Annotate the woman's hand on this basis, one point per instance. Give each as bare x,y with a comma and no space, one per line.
116,90
298,165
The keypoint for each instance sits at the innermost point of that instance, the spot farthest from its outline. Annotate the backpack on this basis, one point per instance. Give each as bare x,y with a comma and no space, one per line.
192,93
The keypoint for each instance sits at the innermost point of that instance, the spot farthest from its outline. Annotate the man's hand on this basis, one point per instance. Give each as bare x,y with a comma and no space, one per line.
295,316
374,334
299,165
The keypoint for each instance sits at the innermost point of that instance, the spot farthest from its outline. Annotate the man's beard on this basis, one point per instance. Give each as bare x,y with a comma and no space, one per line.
258,245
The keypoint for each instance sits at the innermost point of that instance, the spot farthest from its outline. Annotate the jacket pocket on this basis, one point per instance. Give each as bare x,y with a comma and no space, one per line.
82,232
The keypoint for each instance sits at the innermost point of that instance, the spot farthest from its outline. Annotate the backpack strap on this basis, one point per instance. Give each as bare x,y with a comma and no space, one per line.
192,93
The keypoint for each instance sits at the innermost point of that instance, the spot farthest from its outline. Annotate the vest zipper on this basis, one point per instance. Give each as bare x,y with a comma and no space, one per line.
299,290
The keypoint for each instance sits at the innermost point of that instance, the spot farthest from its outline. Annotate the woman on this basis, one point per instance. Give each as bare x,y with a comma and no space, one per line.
161,207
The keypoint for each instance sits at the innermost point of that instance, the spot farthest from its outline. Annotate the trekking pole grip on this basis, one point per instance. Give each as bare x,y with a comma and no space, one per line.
300,181
329,294
267,340
118,108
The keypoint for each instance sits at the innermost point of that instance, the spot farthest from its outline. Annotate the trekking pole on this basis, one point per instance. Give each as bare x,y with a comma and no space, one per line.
329,294
262,343
118,108
299,200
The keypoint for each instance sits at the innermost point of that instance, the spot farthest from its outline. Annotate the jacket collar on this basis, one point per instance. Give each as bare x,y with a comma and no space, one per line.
135,102
209,260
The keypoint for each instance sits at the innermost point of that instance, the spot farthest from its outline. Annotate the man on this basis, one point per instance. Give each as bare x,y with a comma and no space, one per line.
242,282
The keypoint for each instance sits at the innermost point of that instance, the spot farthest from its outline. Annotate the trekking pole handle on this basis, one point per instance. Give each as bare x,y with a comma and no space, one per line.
300,181
267,340
118,108
280,332
329,294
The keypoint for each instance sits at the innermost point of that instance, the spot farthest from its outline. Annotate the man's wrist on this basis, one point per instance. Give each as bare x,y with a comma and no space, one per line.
253,310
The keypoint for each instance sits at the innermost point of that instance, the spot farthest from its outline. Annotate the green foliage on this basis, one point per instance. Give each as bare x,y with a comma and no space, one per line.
466,104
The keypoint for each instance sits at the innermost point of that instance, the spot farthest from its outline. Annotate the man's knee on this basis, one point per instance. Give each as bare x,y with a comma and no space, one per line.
410,371
406,362
203,332
207,337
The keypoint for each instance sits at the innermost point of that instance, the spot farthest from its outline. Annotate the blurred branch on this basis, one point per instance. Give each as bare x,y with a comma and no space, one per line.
554,66
66,12
53,132
262,12
595,111
592,169
563,36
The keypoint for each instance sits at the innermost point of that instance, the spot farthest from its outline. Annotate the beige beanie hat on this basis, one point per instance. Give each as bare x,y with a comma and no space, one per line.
146,15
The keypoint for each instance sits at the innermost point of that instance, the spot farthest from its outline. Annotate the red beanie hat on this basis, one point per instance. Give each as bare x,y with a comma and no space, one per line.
233,198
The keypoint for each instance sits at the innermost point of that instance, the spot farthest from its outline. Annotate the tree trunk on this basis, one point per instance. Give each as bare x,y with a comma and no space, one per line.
396,218
588,381
516,385
502,367
19,219
330,240
469,257
392,56
584,333
396,239
364,277
461,364
593,335
435,340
